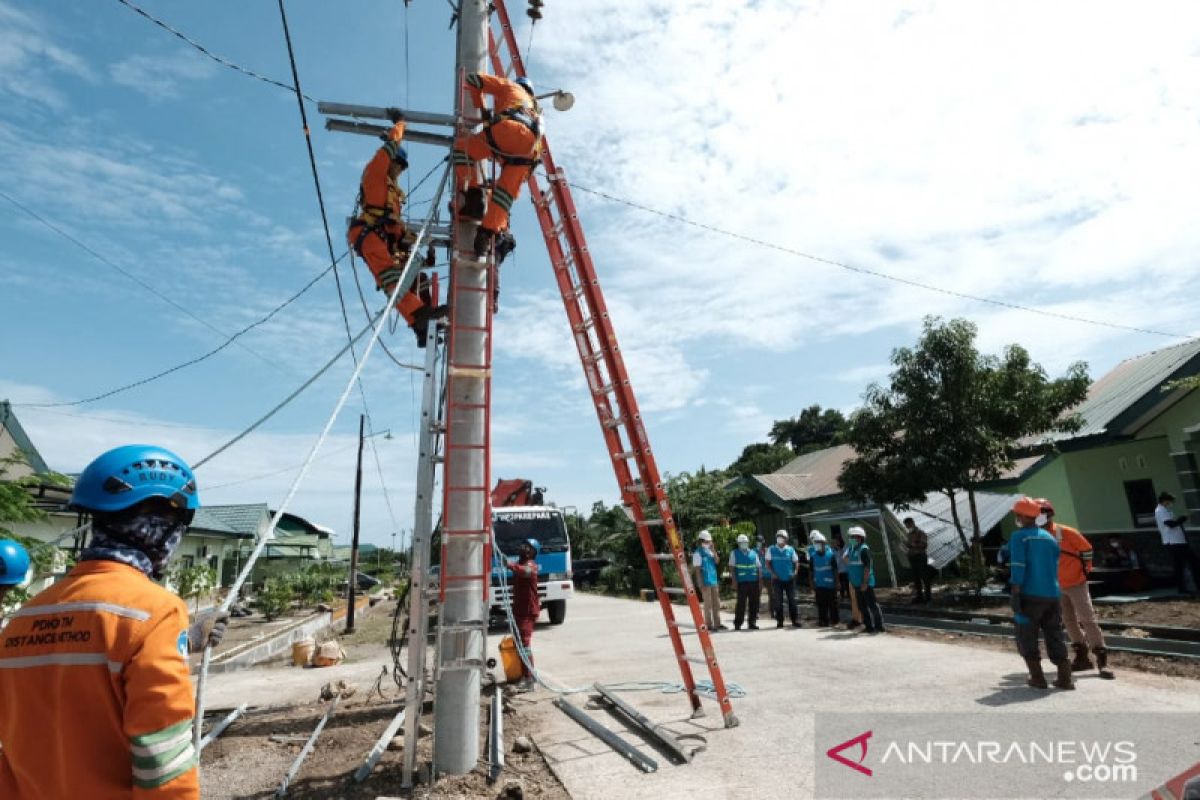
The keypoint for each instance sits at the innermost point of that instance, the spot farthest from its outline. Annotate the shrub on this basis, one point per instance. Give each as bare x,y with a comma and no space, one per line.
275,598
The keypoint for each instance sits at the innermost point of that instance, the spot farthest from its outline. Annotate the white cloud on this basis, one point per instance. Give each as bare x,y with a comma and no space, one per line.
30,59
1028,153
159,76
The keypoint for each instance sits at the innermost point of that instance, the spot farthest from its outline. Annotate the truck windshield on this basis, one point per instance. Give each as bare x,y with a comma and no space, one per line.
514,528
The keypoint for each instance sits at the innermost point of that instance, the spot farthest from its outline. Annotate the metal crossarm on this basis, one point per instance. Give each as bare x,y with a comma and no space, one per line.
637,474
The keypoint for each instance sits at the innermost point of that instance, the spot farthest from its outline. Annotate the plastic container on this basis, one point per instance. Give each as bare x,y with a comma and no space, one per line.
302,651
510,659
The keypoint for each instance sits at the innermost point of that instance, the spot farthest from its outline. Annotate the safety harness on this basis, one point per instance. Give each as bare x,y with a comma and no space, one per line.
529,120
374,219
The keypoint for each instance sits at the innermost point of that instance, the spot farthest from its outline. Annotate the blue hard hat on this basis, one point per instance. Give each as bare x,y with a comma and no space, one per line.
125,476
524,83
535,544
14,562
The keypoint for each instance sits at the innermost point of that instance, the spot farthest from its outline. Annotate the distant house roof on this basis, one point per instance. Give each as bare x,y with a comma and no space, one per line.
246,519
1130,389
206,520
934,517
808,476
9,424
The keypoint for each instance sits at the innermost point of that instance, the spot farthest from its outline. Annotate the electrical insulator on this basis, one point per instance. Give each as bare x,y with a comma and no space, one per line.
535,9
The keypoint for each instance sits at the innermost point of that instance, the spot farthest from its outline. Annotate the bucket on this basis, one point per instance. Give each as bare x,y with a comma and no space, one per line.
302,651
511,659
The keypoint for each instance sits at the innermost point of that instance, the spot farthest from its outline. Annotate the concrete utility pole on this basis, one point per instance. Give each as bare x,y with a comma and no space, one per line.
463,612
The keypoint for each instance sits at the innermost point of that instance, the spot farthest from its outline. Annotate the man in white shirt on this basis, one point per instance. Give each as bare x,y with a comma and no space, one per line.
1174,539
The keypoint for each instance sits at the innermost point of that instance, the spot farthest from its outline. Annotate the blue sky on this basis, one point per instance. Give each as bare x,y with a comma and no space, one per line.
1039,156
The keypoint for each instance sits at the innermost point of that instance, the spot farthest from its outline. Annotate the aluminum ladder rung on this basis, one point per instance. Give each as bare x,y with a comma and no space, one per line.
662,556
650,523
674,590
625,454
614,422
603,390
677,624
693,659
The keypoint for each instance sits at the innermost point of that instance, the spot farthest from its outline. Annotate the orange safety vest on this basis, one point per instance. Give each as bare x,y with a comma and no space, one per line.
1074,557
95,699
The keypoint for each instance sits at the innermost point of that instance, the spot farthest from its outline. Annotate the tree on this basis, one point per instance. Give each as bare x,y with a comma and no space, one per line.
953,418
193,582
813,430
760,458
16,505
698,500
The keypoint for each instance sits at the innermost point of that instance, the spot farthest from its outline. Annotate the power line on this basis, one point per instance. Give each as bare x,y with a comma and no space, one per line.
192,361
222,61
865,271
108,262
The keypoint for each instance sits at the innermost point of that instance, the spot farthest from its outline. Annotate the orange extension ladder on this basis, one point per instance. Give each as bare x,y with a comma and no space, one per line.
642,490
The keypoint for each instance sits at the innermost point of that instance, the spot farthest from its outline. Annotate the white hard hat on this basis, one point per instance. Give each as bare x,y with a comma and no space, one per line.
857,531
817,536
813,534
705,536
743,539
781,534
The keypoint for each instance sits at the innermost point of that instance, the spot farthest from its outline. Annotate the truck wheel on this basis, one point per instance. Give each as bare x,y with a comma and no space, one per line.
557,609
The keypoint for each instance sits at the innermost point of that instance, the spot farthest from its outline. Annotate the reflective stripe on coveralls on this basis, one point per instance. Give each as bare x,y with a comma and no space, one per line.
95,691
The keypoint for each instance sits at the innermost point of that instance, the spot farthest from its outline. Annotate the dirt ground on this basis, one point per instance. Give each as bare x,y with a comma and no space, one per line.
245,763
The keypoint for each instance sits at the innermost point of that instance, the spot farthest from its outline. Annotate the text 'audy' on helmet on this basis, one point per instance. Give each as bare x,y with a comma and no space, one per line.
14,562
125,476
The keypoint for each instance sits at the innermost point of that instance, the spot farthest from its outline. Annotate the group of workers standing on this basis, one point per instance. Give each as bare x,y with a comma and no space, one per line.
834,568
510,137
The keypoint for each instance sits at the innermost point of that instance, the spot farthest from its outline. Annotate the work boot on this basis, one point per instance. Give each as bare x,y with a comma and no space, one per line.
1063,681
472,205
505,244
1037,678
1081,663
1102,663
483,242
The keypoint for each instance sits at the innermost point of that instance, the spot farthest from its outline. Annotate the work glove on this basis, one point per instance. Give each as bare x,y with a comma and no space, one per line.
395,115
207,630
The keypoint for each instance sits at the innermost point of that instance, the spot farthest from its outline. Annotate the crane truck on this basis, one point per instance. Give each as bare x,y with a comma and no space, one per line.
519,512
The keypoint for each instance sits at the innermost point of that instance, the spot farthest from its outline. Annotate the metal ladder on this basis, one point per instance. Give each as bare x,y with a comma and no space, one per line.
612,394
420,595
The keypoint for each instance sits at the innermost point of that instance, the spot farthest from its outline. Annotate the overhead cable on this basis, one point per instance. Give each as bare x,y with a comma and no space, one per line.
222,61
864,270
108,262
192,361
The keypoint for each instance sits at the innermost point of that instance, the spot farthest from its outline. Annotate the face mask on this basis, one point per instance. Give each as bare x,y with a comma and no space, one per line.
144,541
1040,520
820,547
743,545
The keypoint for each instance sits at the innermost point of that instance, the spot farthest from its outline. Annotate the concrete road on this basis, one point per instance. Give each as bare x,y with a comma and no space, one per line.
788,675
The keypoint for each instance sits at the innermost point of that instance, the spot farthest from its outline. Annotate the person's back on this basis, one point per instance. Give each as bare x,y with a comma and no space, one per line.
1075,556
1034,554
95,692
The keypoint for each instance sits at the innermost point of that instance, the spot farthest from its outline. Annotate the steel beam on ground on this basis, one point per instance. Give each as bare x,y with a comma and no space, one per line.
640,721
220,727
634,756
308,747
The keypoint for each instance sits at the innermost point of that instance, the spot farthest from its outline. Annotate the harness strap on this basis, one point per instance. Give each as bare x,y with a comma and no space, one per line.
508,158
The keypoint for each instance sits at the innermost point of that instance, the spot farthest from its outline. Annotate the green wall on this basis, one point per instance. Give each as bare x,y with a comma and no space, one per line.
1097,478
1171,423
1052,482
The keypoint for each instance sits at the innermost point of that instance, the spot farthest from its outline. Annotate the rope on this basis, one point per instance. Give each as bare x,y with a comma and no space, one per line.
406,278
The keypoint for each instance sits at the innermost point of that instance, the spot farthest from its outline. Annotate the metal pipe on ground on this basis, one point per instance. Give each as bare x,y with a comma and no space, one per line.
634,756
641,722
220,727
308,748
496,736
376,753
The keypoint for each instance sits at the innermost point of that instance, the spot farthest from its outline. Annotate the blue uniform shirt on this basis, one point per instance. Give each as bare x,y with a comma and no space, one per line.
824,567
858,559
782,561
708,566
1034,554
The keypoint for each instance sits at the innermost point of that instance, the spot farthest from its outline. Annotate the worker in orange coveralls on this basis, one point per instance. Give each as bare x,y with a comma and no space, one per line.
526,606
512,137
378,232
95,699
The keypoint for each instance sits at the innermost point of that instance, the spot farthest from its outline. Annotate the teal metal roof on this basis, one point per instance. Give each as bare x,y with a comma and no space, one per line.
207,521
1133,386
8,421
247,519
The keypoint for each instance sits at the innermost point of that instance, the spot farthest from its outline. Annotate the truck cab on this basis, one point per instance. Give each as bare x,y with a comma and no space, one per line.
513,525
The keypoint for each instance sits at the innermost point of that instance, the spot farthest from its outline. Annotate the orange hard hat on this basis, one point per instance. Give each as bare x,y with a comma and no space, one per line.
1027,507
1047,506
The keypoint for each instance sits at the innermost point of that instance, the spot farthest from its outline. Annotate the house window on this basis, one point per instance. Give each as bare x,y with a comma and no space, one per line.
1142,500
1141,462
835,531
187,561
